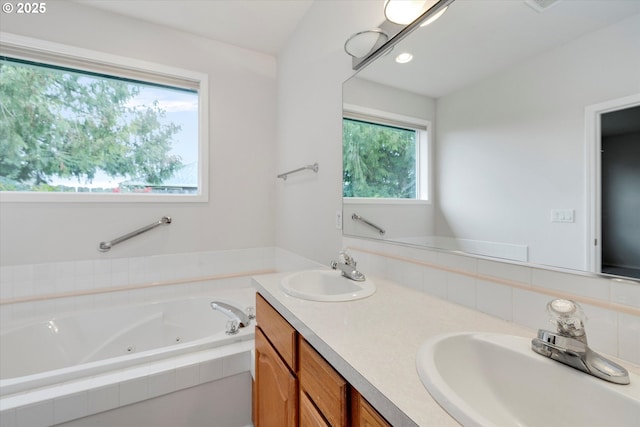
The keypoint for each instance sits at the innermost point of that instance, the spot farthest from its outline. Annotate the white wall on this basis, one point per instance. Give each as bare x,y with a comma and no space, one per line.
541,165
311,70
241,208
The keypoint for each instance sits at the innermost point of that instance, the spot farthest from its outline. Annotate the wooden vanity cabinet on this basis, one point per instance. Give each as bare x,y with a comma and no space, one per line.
276,383
296,386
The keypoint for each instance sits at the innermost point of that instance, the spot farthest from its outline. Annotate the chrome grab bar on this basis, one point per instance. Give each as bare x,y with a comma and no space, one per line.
379,229
314,167
106,246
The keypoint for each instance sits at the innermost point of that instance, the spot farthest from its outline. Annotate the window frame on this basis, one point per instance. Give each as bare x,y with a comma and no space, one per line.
423,128
81,59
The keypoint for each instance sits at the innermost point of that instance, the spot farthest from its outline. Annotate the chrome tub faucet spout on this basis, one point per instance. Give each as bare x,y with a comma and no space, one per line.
238,318
568,344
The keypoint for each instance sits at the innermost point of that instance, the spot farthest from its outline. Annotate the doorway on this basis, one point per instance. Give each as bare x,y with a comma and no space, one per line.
620,187
614,197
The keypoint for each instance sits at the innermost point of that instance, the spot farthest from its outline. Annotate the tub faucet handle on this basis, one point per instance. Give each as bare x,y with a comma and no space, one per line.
233,327
250,312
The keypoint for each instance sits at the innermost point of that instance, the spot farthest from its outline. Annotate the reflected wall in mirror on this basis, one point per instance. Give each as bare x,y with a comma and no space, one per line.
534,133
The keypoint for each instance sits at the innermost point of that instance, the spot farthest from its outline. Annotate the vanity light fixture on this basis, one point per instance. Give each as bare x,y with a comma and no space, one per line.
434,17
404,57
404,12
363,42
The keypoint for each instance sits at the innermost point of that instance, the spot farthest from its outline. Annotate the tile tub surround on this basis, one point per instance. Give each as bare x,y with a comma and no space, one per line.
512,292
76,399
37,282
372,342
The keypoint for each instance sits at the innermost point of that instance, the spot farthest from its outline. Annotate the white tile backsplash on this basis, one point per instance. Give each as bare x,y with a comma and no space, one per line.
629,337
495,299
625,293
519,293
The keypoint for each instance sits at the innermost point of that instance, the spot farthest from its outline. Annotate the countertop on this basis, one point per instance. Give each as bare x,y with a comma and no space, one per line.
372,342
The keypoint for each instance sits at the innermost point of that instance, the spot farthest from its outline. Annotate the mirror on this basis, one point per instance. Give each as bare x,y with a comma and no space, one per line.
532,110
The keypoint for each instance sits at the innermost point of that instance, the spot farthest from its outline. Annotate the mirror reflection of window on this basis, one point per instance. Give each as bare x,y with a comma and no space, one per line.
384,160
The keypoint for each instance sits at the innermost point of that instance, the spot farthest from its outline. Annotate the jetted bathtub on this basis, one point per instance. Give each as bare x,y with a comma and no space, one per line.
93,344
73,346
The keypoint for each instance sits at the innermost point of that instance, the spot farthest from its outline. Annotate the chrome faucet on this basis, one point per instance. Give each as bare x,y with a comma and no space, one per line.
347,265
239,319
569,344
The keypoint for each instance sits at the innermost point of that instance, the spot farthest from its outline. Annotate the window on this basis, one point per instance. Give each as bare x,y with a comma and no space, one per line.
94,125
384,159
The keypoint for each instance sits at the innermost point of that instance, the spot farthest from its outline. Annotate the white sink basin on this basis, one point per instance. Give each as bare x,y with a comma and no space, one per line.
497,380
326,285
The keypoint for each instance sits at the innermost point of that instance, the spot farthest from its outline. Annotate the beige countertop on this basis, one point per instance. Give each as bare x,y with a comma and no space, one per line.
373,342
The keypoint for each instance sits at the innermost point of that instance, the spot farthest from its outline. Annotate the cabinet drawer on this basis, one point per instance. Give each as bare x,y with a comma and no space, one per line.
281,334
325,387
309,415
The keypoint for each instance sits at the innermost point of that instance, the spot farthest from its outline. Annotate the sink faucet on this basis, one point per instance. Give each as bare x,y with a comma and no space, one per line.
347,265
239,319
569,344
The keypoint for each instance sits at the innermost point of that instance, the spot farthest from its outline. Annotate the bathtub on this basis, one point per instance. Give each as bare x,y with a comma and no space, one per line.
78,353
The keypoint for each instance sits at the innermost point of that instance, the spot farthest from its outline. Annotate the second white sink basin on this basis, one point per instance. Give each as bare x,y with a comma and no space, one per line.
326,285
497,380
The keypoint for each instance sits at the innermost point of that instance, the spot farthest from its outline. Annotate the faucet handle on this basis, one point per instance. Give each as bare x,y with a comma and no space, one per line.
347,259
567,316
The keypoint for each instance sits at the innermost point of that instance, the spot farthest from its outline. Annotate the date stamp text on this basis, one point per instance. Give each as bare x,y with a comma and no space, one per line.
29,8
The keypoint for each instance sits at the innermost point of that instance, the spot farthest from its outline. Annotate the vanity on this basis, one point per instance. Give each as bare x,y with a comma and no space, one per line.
295,385
363,350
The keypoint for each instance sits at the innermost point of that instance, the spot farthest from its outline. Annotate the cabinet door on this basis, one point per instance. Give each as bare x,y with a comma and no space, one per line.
276,388
309,415
363,414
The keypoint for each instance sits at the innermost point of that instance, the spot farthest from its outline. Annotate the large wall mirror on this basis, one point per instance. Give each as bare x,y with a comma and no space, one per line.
529,121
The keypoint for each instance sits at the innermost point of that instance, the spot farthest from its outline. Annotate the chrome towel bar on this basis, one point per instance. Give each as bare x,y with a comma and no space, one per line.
106,246
357,217
314,167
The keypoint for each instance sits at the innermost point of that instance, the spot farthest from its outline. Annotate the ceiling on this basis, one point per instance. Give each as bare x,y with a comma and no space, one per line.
260,25
475,39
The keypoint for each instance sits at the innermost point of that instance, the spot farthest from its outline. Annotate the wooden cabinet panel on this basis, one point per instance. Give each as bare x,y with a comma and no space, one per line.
326,388
276,388
309,415
363,414
281,334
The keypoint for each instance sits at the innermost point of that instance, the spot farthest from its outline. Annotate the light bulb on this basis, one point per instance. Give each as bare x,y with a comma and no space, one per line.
404,12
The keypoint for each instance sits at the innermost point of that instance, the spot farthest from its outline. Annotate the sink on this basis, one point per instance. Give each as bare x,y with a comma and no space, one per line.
497,380
326,285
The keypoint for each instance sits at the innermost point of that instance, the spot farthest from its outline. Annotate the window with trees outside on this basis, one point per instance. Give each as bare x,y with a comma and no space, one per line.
99,126
383,159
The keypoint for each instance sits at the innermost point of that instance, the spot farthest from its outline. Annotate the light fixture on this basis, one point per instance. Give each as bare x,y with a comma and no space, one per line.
404,57
363,42
435,16
404,12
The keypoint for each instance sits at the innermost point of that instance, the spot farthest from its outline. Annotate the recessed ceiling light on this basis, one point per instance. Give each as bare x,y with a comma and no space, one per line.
404,57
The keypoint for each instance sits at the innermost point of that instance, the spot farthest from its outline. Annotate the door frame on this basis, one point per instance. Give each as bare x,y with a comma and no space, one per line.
593,175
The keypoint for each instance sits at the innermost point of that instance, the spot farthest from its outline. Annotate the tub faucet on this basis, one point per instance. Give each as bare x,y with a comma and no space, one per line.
569,344
239,319
347,265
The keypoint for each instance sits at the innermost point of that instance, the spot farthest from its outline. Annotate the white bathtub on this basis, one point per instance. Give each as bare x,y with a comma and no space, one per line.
72,353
